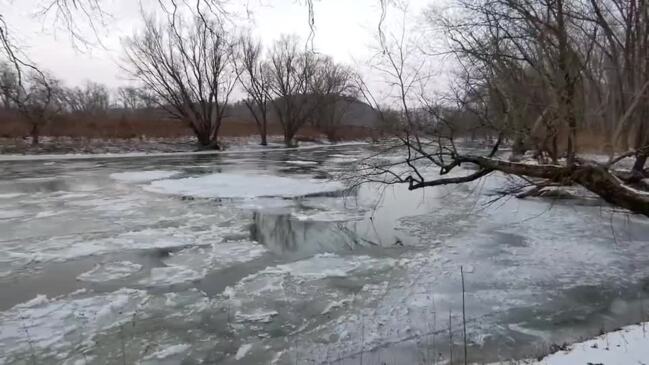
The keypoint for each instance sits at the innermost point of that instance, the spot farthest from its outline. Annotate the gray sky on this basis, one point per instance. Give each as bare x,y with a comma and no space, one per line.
346,30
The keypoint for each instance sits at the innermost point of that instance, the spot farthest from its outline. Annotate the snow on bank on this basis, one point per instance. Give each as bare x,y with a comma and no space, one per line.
238,151
110,271
143,176
230,185
629,345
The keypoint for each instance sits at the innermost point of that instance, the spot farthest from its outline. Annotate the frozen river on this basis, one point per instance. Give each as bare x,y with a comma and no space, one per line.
265,258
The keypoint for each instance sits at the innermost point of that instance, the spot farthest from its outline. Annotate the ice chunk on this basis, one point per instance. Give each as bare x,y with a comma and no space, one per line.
263,316
143,176
302,163
231,185
166,276
168,352
110,271
10,195
217,256
42,323
243,350
330,265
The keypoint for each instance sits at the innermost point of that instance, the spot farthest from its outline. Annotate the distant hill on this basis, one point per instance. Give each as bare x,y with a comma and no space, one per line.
356,114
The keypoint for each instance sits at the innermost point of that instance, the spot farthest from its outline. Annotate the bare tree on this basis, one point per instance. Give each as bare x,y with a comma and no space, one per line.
190,68
37,97
292,71
92,99
502,45
256,81
134,98
334,90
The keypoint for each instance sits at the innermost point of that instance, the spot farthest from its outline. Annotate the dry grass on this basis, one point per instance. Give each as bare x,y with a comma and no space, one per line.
128,127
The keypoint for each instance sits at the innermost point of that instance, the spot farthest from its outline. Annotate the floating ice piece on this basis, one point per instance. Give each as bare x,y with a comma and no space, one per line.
48,323
330,265
11,214
243,351
327,216
168,352
110,271
143,176
167,276
10,195
302,163
231,185
217,256
263,316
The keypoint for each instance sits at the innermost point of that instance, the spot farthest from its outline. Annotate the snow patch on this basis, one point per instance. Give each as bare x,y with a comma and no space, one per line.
231,185
143,176
110,271
623,347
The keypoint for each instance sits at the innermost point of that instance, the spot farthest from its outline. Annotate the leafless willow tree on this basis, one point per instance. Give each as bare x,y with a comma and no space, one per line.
92,99
134,98
335,92
531,72
36,96
256,82
292,71
189,65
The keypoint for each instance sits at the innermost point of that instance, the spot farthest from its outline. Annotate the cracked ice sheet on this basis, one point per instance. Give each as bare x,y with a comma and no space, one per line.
110,271
195,263
625,346
232,185
217,256
81,328
53,326
19,253
280,291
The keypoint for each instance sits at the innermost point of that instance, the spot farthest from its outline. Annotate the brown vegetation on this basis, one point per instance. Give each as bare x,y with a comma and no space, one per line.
122,127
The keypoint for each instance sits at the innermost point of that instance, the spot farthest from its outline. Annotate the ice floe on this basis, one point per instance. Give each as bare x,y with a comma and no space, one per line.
216,256
232,185
110,271
167,352
330,265
166,276
54,325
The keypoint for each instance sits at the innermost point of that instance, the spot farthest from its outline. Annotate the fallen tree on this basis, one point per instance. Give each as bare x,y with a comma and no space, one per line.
538,76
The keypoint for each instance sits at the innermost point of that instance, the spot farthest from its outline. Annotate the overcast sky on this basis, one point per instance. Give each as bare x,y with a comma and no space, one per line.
346,30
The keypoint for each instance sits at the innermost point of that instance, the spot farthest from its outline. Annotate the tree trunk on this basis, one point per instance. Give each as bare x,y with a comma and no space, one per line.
597,179
35,133
638,172
264,133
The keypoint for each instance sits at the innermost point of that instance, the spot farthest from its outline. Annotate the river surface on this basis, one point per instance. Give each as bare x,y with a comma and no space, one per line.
260,258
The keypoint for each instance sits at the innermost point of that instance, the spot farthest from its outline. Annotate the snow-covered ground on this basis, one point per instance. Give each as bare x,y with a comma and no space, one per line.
264,258
629,345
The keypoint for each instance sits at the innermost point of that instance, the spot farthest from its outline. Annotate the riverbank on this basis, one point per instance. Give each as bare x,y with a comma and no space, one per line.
629,345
